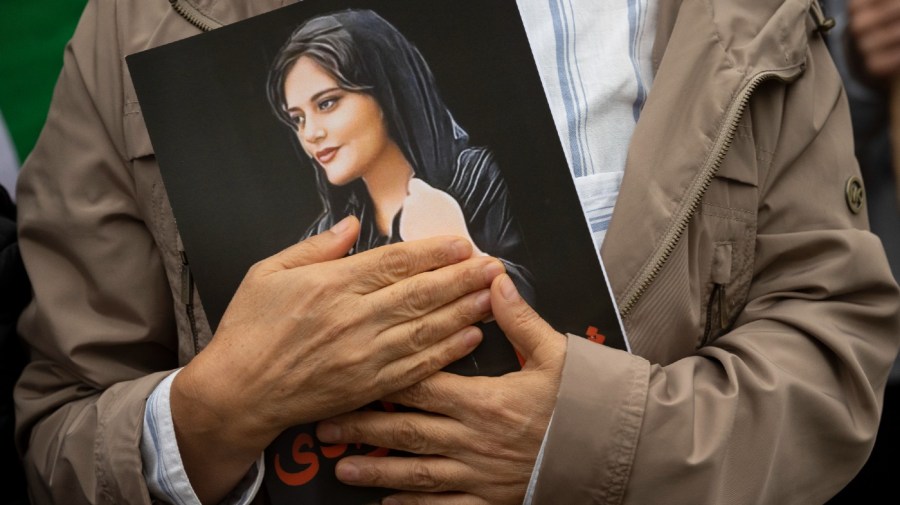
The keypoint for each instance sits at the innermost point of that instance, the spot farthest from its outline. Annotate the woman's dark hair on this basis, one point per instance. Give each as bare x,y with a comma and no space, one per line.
365,53
326,42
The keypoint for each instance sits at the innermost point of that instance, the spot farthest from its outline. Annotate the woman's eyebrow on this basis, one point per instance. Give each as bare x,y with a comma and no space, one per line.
323,92
314,98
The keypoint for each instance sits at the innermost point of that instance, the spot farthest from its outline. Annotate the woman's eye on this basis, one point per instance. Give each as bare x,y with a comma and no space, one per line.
298,121
328,103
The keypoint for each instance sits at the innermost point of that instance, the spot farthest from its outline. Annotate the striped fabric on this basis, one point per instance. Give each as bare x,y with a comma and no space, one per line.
594,61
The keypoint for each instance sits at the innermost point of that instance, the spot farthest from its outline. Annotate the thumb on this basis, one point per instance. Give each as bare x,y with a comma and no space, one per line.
326,246
534,339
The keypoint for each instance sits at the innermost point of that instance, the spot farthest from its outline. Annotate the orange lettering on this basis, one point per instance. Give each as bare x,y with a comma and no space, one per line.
301,458
333,451
594,335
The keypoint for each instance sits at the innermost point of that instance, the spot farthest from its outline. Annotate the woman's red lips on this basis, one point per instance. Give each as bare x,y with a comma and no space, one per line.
326,155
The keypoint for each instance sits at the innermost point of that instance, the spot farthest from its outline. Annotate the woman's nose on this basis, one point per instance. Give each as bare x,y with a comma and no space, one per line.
313,132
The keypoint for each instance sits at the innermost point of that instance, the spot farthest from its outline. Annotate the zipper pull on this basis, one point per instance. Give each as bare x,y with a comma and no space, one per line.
187,281
723,308
823,23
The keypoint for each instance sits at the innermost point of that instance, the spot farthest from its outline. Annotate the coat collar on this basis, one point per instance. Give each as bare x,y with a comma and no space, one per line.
227,12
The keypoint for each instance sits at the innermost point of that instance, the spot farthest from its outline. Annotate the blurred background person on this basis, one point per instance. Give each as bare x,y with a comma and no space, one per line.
865,45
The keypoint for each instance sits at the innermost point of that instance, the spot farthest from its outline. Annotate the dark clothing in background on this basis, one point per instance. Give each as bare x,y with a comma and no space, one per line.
15,292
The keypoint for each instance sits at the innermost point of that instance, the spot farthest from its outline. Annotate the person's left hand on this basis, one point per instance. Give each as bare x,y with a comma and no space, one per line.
478,437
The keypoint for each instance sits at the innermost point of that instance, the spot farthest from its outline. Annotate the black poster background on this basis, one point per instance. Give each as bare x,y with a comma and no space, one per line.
241,189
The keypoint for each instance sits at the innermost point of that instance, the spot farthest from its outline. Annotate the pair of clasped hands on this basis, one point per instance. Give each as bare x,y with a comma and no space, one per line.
312,335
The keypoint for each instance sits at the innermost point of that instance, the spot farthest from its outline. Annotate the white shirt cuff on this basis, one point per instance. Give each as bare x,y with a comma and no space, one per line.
529,491
163,468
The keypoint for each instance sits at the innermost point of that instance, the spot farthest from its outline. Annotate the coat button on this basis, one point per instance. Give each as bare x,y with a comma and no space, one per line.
855,194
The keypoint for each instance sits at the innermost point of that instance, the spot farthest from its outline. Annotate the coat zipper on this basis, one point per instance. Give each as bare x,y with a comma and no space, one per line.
194,16
187,298
718,300
204,23
707,173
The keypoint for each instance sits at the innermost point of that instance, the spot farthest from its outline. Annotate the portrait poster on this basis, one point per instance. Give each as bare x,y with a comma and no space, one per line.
460,97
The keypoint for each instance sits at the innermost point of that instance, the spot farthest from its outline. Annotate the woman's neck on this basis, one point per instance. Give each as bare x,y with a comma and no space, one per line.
388,183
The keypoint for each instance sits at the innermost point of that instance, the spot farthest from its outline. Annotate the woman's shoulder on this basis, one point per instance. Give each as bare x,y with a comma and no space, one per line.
476,175
475,165
471,158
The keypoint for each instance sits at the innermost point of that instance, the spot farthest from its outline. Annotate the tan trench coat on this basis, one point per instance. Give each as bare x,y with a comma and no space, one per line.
761,311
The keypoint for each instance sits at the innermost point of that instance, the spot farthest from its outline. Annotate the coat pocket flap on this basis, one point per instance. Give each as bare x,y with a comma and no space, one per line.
137,140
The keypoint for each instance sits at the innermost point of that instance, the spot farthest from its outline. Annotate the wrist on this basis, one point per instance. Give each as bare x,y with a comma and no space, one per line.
213,411
217,441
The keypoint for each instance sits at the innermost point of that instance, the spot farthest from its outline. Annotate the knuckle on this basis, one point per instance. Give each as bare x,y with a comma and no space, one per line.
467,313
397,261
417,297
442,254
372,475
416,335
473,276
418,393
423,477
411,437
257,269
525,317
351,431
424,367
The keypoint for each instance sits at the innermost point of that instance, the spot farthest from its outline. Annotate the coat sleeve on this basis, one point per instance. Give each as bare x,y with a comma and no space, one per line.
101,328
784,406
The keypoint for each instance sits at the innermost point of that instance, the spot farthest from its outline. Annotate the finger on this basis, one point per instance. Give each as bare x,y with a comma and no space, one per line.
419,295
412,368
374,269
882,39
433,499
884,64
418,334
865,16
532,337
445,393
414,432
326,246
428,473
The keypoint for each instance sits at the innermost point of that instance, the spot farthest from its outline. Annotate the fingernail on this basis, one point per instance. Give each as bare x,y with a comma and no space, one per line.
347,472
462,249
483,301
342,226
508,289
328,432
492,270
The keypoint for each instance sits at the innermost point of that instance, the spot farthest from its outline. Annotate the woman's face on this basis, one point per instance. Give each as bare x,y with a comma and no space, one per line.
343,130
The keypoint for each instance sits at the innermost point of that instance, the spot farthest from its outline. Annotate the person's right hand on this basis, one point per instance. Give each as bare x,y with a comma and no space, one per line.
311,333
875,25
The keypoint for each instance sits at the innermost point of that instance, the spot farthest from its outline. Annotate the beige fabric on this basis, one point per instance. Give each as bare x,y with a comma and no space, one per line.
782,405
779,406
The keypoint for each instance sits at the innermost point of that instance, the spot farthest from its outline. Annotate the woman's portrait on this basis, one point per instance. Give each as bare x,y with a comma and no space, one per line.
366,111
